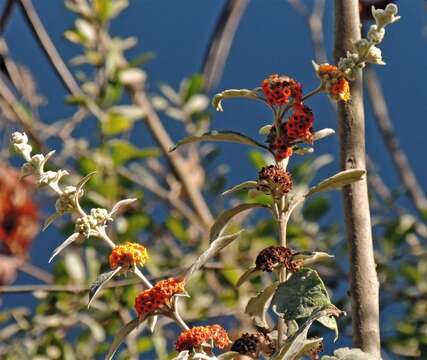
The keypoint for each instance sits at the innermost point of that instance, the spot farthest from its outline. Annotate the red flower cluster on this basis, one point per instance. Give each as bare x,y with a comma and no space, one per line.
159,295
128,255
18,213
278,89
195,337
300,124
298,128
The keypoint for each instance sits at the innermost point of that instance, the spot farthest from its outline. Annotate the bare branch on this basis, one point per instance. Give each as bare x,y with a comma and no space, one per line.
177,163
48,47
364,286
5,16
220,42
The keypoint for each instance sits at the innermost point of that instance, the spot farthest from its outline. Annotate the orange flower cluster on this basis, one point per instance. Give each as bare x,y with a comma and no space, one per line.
159,295
298,128
198,335
336,84
128,255
279,89
18,213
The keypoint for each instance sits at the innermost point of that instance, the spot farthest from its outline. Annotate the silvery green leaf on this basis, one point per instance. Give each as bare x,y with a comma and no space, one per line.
50,220
100,282
297,343
121,335
301,295
231,93
265,130
242,186
331,324
183,355
197,103
337,181
67,242
130,111
257,306
79,188
248,274
323,133
224,218
220,135
121,204
312,257
214,248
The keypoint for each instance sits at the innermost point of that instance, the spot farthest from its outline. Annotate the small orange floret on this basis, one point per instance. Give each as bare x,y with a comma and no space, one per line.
128,255
159,295
195,337
326,68
340,90
336,84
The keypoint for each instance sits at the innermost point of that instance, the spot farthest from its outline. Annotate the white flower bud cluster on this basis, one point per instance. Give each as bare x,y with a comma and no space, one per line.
35,164
90,224
68,198
365,50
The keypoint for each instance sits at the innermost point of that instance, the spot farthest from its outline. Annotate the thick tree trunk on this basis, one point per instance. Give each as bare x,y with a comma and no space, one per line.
363,277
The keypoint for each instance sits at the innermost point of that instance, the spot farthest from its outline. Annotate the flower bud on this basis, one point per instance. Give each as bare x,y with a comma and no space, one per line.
376,35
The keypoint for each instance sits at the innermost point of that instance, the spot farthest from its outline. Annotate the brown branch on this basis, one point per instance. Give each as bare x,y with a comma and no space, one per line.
6,13
220,42
314,20
363,277
175,160
401,162
48,47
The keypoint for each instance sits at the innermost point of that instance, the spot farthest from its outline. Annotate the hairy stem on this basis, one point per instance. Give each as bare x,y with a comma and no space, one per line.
282,221
363,281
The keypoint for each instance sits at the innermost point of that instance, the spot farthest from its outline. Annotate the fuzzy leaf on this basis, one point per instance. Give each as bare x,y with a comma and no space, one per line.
67,242
100,282
330,323
217,135
312,257
183,355
121,204
323,133
50,220
213,249
248,274
337,181
121,335
296,345
80,185
231,93
244,185
257,307
224,218
301,295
